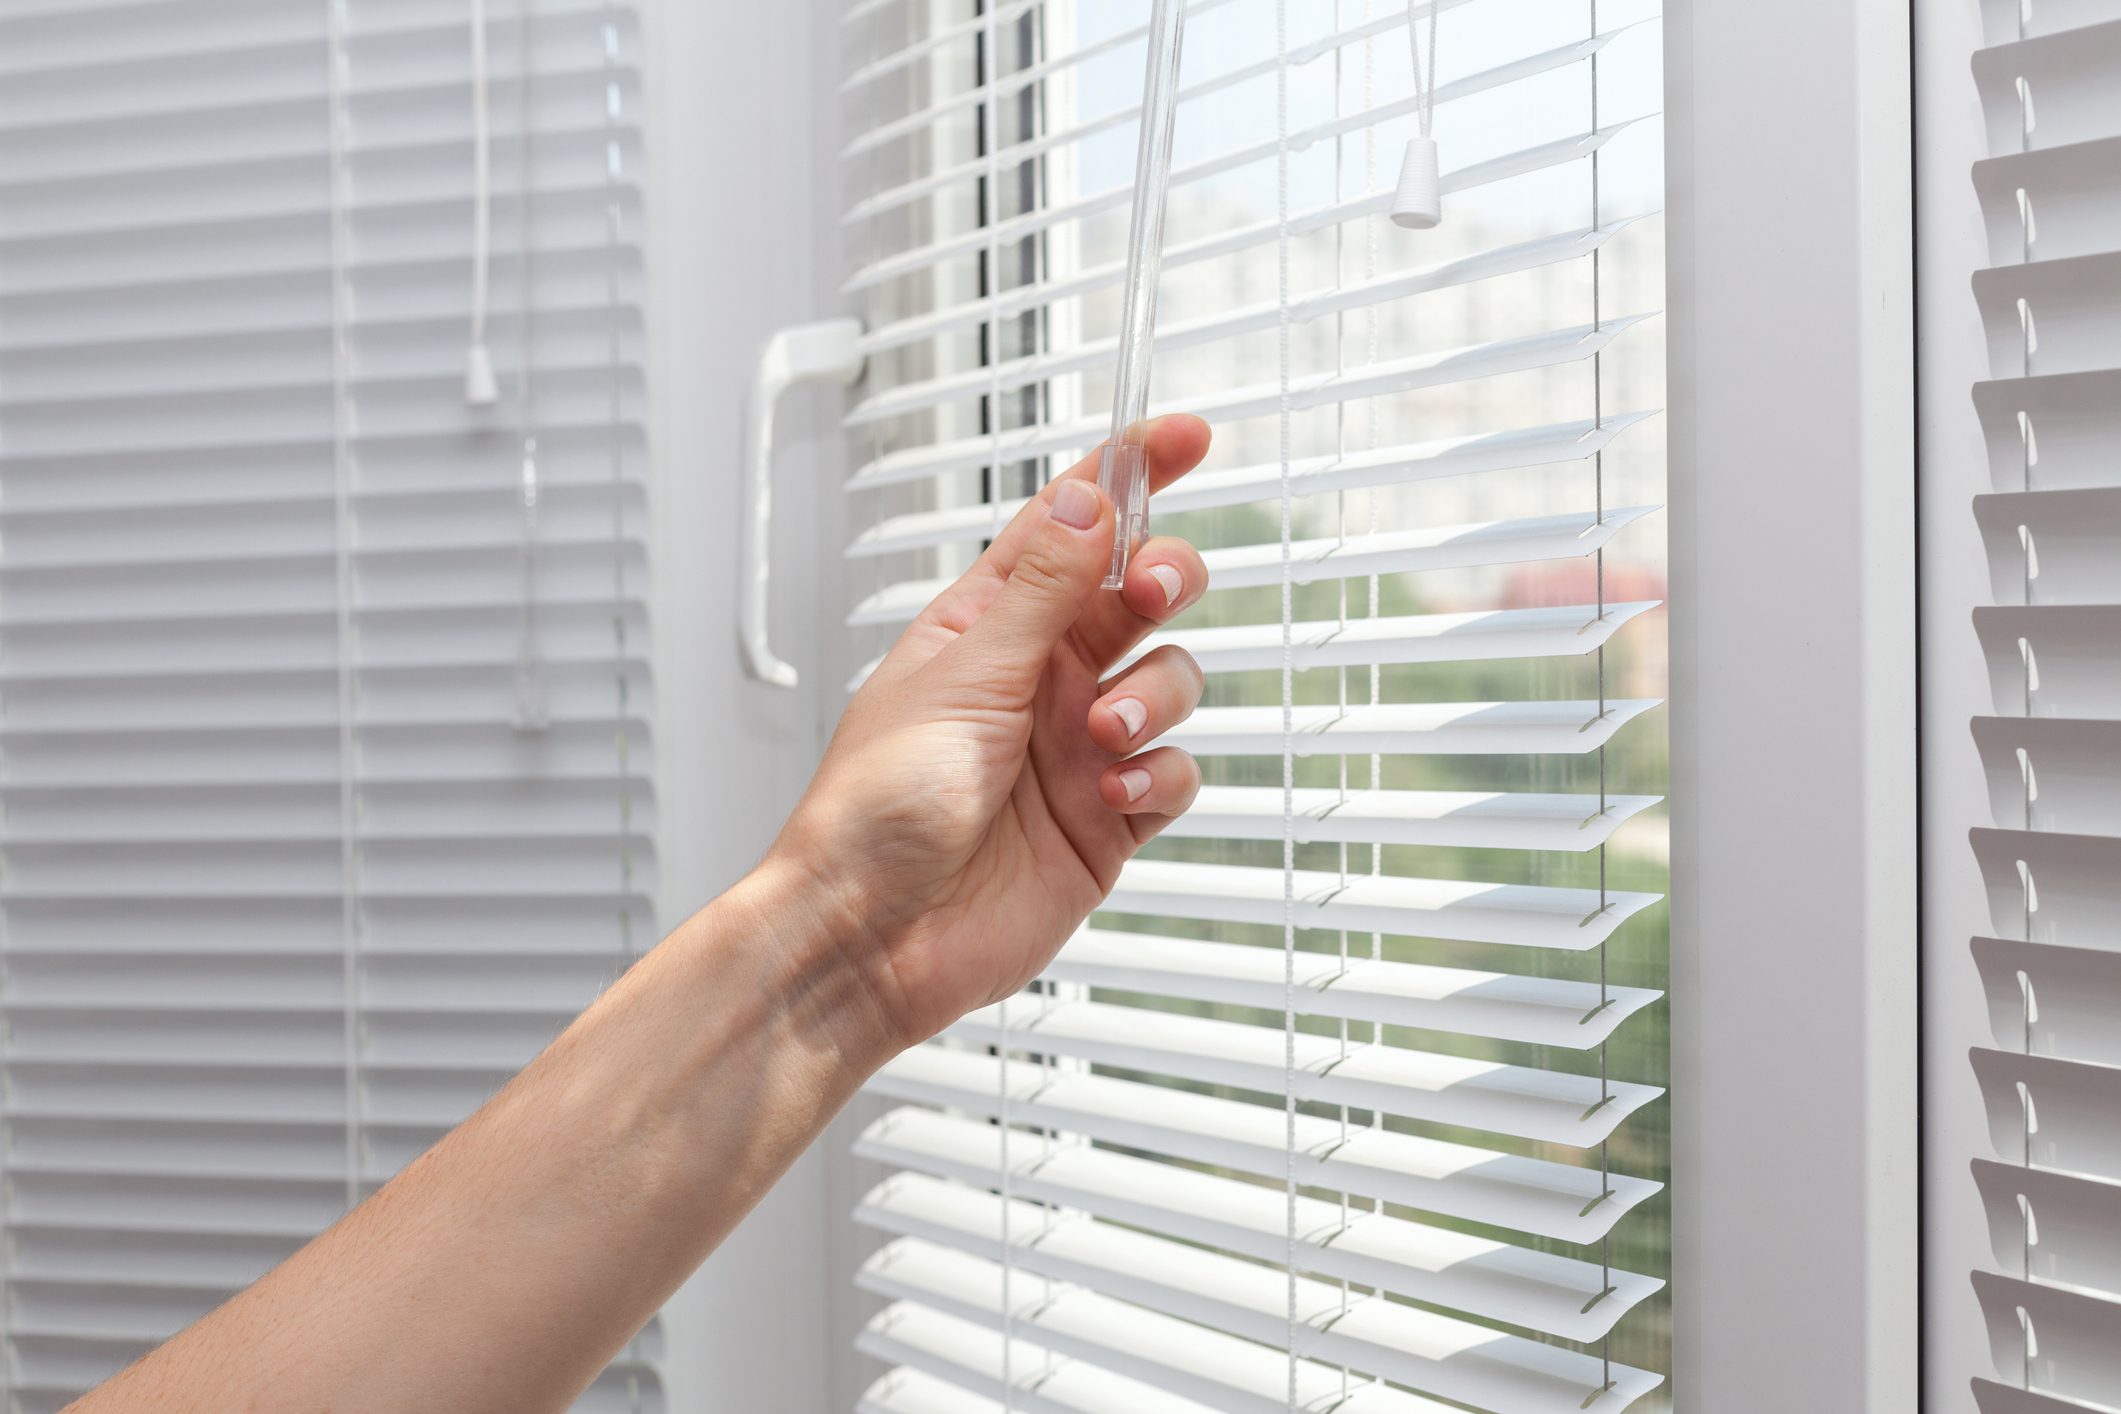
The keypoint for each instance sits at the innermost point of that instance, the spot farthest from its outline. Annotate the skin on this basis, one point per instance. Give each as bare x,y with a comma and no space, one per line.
976,803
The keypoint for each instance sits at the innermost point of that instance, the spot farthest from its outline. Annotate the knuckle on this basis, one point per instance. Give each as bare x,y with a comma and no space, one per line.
1189,781
1170,658
1040,571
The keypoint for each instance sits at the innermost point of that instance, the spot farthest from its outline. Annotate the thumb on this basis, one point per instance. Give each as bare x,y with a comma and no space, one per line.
1055,575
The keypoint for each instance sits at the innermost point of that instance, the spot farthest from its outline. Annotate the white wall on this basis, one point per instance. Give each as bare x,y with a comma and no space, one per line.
743,197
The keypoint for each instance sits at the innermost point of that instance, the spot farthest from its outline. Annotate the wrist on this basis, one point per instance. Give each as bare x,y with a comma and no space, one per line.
825,965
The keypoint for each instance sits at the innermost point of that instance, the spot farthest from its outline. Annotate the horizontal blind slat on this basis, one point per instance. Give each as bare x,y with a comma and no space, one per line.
1411,729
2069,188
1219,1368
1522,915
2077,1224
903,398
2075,994
1064,1387
1471,363
1536,1196
1523,1102
1558,631
1558,1295
1562,631
1443,819
900,264
1459,1001
1417,1347
1052,288
1352,557
931,185
1311,476
2079,1334
2073,1104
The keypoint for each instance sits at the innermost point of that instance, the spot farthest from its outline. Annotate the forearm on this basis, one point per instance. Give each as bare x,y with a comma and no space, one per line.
511,1262
980,797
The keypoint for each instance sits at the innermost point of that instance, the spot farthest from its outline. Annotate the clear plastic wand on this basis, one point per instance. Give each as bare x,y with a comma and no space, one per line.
1123,466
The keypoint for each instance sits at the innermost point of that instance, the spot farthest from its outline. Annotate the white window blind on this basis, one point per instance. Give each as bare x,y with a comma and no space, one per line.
326,774
1348,1097
2049,516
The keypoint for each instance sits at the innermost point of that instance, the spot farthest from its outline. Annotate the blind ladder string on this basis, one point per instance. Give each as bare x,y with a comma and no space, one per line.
2029,1009
616,469
1033,322
2029,1015
1372,437
533,705
990,214
1340,516
1605,1148
1288,683
336,81
873,246
478,358
615,458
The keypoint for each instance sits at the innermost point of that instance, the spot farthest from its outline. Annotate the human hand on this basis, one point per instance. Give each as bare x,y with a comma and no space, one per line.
985,785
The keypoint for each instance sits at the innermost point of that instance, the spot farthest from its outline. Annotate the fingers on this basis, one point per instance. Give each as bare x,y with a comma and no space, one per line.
1064,556
1150,699
1176,444
1146,701
1165,576
1154,788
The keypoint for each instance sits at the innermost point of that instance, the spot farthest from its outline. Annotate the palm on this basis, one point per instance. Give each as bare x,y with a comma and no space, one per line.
1035,844
973,796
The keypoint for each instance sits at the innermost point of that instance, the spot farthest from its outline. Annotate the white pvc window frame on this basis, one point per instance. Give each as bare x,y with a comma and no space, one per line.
1794,941
1794,974
1953,242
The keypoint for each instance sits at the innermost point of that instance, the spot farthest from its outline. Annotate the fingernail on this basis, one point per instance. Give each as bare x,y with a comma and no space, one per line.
1075,505
1132,715
1134,783
1174,583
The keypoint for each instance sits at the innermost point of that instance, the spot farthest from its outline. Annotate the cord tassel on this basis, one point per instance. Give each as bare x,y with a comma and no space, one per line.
1418,202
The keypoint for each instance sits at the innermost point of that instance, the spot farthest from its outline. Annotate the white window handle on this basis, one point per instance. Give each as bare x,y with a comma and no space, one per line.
827,351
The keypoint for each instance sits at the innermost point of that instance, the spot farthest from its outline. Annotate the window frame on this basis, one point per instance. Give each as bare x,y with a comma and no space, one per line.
1794,1281
1794,939
742,239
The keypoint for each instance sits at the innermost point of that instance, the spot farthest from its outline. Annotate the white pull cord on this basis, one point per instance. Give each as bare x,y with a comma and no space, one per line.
1418,204
533,701
480,387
